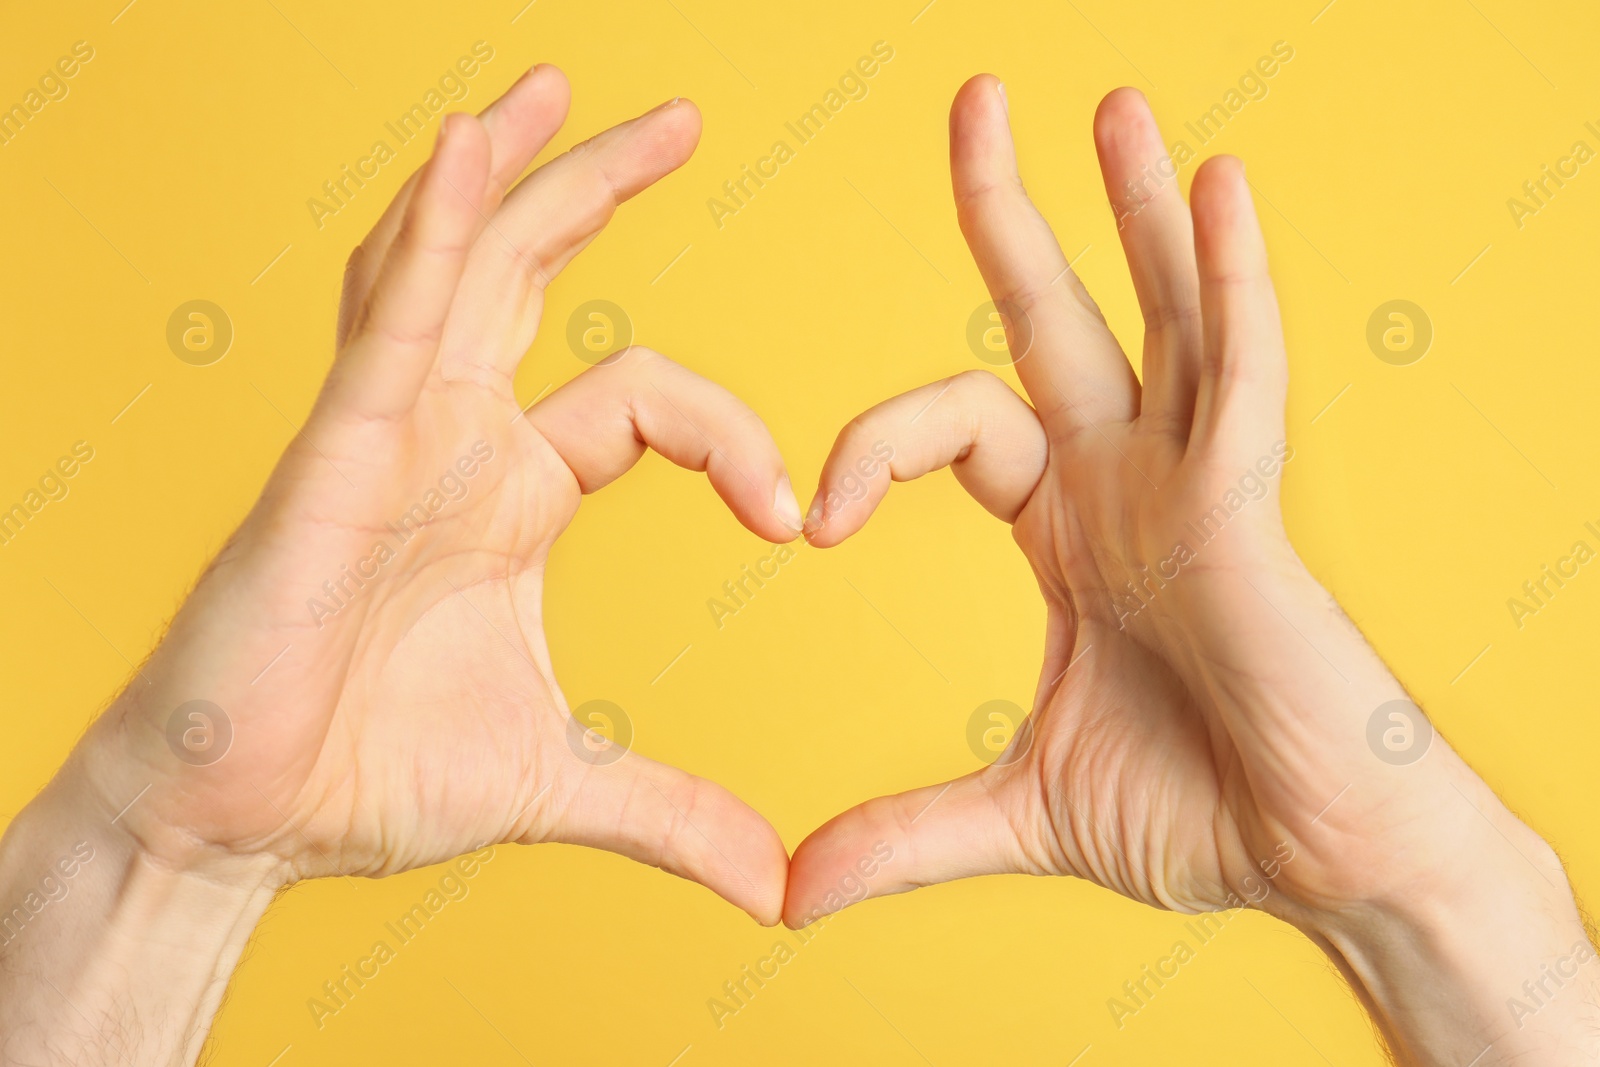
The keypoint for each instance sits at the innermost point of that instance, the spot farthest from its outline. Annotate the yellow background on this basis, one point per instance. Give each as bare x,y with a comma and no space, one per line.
179,167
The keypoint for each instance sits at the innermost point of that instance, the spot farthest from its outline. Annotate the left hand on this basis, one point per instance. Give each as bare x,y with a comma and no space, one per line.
1198,737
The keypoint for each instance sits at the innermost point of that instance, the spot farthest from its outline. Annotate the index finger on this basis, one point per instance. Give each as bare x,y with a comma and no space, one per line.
602,421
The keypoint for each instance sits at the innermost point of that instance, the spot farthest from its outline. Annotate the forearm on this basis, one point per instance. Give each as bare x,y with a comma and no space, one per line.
1453,920
106,956
1500,971
1470,949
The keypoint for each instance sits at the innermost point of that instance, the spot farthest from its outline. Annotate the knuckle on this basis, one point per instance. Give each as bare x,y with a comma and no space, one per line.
425,335
971,200
857,428
642,365
526,265
978,382
1166,315
1227,366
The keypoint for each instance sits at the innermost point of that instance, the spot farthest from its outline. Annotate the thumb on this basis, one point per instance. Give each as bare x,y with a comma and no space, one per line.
898,843
681,823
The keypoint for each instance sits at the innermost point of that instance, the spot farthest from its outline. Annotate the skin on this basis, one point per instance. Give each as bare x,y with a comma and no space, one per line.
1177,749
423,718
1199,736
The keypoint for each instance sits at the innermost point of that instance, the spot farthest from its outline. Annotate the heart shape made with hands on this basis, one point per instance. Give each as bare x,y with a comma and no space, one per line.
391,575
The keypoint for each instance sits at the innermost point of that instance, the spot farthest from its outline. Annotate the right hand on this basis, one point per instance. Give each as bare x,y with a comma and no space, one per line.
410,713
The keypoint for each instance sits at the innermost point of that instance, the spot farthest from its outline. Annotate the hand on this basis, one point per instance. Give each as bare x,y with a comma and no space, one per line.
1170,747
1199,735
396,557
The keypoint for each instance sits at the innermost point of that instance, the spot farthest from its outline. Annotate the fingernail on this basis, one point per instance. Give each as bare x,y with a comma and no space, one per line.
444,132
662,107
814,514
786,507
1005,101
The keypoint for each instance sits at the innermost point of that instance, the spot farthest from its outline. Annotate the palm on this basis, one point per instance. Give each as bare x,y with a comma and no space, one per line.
433,722
1133,800
1121,733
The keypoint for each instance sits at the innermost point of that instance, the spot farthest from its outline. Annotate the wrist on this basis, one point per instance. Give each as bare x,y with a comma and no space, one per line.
1496,959
108,952
129,772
